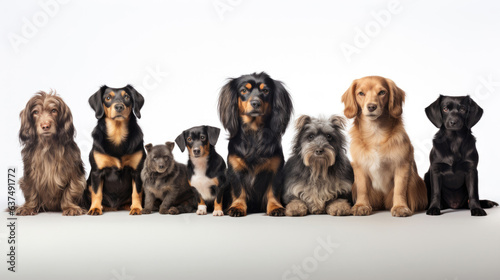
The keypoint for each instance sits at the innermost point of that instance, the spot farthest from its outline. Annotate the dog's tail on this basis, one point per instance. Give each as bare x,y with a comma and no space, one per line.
487,203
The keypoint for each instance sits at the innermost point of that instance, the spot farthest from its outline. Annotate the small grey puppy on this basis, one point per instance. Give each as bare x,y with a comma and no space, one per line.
165,180
318,176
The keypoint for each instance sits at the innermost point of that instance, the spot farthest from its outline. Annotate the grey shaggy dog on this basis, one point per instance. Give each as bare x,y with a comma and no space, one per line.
318,176
165,180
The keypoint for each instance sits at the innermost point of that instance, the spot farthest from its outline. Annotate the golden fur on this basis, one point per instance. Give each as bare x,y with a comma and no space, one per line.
385,173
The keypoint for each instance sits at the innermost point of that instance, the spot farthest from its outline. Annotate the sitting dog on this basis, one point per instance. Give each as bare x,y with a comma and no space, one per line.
385,173
255,110
117,155
452,179
54,178
205,167
165,180
318,176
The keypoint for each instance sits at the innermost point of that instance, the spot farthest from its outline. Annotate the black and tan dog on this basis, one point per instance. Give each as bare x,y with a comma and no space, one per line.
452,179
206,167
318,176
117,156
255,109
165,182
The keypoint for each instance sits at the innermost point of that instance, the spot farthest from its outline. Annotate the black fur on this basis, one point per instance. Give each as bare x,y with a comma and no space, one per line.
452,179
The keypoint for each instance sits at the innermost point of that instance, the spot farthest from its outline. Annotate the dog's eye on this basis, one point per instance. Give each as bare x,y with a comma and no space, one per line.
382,93
462,109
361,93
203,138
126,97
35,112
310,137
265,91
244,91
445,109
328,137
189,139
108,98
54,111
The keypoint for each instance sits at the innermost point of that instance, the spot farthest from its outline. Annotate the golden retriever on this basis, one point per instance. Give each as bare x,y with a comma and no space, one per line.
385,173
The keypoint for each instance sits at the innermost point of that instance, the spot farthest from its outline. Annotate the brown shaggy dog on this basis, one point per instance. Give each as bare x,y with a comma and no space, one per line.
385,174
54,178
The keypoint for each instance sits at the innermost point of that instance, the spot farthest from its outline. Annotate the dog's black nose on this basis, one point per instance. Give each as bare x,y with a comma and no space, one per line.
256,104
161,166
453,122
196,151
372,107
119,107
45,126
319,152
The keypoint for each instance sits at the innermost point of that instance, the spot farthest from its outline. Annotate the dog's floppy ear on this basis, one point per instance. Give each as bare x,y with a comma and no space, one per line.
282,108
396,99
338,121
301,122
138,100
475,113
181,142
228,108
170,145
149,147
433,112
213,134
95,102
27,132
65,121
349,99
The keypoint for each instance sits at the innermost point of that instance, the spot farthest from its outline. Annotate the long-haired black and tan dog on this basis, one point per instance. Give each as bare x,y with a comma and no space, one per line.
318,176
166,181
117,156
54,178
255,110
452,179
206,167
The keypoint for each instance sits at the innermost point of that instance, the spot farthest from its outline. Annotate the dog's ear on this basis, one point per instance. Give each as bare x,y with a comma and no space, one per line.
27,132
228,108
396,99
351,109
95,102
149,147
66,131
475,113
170,145
338,121
138,100
302,121
282,108
433,112
213,134
181,142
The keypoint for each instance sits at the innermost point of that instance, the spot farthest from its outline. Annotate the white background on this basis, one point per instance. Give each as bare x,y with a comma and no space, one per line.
427,47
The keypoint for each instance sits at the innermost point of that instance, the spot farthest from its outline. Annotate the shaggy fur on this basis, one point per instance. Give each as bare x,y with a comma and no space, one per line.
54,178
385,172
255,110
318,176
165,180
452,179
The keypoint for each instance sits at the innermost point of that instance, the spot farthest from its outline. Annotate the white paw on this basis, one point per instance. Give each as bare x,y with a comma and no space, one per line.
218,213
202,210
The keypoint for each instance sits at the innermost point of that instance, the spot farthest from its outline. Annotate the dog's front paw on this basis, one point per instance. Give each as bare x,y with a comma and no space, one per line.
477,212
173,211
146,211
361,210
74,211
401,211
296,208
202,210
96,211
236,212
218,213
26,211
277,212
135,211
433,211
339,208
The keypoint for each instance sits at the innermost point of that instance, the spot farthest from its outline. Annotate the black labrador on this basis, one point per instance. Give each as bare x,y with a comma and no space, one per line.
452,179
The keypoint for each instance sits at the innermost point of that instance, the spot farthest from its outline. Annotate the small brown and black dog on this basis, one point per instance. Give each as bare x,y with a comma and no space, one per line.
385,173
54,177
165,181
117,155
